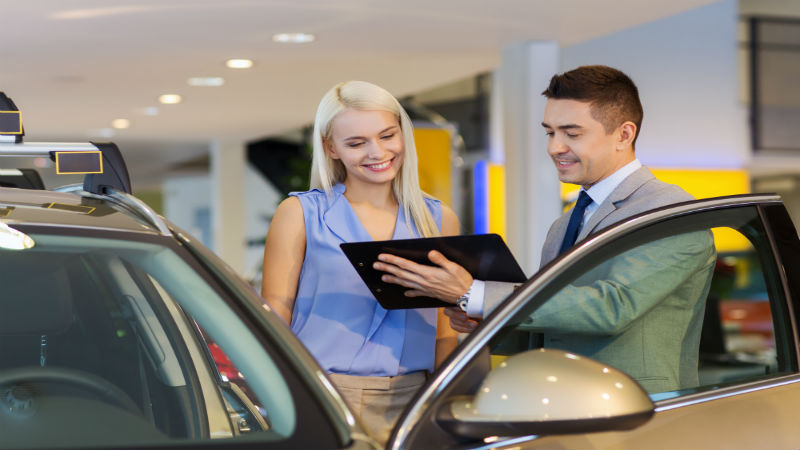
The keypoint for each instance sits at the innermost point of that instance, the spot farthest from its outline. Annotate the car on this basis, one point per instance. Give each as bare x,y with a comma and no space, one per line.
110,321
111,317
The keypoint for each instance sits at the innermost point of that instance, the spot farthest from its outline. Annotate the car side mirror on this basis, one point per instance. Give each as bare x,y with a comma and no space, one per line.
548,391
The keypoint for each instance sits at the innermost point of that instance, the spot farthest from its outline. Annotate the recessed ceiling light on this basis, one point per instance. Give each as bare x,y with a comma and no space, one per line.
120,123
239,63
293,38
206,81
169,99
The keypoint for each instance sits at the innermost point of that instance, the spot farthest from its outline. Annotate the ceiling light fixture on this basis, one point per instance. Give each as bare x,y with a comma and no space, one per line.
293,38
170,99
120,123
206,81
239,63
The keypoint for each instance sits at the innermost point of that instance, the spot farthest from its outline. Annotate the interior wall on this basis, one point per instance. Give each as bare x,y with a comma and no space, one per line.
686,67
773,171
262,199
187,203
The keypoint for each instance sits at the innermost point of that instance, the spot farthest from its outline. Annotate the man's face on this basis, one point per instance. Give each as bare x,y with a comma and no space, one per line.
580,147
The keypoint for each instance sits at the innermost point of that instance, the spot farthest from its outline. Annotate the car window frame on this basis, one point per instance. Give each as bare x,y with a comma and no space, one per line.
453,371
782,238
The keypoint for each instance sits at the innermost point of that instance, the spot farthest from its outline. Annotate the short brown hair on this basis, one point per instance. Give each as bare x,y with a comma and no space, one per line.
612,96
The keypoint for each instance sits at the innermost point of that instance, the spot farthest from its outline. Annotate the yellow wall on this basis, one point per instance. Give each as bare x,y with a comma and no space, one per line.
497,199
433,155
701,183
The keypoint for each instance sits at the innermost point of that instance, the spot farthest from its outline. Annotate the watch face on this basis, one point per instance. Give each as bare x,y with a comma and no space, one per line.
462,303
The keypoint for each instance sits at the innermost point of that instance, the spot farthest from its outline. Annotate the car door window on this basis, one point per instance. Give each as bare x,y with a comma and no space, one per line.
669,309
101,345
738,335
229,389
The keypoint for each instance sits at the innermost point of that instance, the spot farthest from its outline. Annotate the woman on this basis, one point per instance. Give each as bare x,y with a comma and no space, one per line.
364,186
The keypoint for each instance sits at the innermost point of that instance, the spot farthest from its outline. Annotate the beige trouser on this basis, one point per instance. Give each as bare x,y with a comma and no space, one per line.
378,400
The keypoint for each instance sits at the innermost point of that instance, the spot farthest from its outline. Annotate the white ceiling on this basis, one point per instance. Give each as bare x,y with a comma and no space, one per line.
72,66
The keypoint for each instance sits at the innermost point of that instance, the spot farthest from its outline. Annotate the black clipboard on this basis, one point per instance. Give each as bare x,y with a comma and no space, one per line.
485,256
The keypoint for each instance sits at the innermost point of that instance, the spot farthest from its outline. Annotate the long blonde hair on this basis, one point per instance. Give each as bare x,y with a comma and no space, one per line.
326,171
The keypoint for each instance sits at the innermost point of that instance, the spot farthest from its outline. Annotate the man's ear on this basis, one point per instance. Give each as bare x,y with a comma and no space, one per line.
627,133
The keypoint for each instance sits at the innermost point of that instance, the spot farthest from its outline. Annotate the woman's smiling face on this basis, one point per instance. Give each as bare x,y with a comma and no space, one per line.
368,143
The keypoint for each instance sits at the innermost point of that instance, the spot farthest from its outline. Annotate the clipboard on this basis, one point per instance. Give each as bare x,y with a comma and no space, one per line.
484,256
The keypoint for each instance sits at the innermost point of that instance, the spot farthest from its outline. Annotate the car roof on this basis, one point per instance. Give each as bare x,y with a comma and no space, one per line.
68,209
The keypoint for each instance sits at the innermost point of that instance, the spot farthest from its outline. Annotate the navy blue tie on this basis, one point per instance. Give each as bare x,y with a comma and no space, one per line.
575,220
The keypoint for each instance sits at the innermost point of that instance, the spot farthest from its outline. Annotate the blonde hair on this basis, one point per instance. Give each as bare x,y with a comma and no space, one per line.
326,171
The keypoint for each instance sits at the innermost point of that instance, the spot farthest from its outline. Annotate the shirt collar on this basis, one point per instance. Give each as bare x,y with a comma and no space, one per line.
600,191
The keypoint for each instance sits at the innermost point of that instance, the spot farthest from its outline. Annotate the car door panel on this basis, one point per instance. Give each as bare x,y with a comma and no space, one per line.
682,414
756,420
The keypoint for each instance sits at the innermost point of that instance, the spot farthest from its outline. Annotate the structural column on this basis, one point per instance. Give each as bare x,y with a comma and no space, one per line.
228,171
532,187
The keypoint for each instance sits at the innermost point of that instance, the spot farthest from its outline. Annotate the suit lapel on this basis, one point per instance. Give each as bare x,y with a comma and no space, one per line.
628,186
554,238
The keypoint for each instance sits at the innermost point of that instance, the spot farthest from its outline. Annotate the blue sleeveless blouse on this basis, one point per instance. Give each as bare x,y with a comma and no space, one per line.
336,316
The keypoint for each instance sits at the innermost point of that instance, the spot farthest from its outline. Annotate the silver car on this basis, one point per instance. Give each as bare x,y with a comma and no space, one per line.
117,329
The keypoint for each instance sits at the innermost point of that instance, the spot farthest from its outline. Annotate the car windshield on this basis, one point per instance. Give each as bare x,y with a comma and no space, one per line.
121,338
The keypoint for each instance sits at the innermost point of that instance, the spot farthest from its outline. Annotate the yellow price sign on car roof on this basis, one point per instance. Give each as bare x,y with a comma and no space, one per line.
83,209
80,162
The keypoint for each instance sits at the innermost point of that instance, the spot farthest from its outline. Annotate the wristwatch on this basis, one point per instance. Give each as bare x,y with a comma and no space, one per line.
464,299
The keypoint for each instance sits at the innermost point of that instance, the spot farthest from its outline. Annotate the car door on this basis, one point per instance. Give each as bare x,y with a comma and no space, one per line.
729,379
116,339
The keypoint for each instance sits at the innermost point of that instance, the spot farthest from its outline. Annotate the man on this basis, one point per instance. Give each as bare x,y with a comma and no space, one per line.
592,119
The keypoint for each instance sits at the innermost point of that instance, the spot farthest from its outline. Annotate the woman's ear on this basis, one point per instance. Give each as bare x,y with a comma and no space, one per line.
330,149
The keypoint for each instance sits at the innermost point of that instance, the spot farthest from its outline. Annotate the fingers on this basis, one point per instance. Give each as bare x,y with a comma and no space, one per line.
454,312
415,293
434,256
402,263
438,258
446,283
408,276
396,275
405,282
463,326
456,272
399,267
459,320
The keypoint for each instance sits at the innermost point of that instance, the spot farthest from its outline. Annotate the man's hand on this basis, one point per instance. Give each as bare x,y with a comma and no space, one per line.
459,320
446,281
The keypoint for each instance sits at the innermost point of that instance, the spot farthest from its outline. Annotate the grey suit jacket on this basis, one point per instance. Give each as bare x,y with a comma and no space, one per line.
641,311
